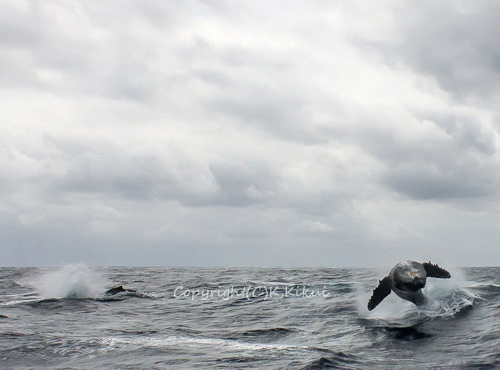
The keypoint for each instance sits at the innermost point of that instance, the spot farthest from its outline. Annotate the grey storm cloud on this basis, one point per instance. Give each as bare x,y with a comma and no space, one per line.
250,133
451,41
458,160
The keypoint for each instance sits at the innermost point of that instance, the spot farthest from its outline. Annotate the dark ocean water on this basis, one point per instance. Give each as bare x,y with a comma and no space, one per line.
194,318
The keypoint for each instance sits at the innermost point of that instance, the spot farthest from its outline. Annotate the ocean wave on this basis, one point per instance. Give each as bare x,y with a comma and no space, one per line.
458,329
339,360
269,334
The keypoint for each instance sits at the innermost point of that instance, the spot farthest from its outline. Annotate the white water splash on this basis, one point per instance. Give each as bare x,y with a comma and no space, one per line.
71,281
446,299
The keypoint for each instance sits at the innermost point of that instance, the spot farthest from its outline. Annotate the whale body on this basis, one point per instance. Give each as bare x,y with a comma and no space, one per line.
407,279
119,289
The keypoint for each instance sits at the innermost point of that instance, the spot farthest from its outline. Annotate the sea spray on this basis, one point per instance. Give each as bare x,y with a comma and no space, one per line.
446,299
70,281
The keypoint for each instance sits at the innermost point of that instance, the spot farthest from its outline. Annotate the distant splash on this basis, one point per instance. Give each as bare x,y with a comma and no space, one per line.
71,281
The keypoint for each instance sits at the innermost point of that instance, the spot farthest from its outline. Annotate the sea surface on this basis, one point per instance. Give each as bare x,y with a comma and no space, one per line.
243,318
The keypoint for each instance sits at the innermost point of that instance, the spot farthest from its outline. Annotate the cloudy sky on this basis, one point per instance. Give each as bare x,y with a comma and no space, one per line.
249,133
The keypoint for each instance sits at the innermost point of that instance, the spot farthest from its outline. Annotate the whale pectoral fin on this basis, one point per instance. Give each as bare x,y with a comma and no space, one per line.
435,271
380,292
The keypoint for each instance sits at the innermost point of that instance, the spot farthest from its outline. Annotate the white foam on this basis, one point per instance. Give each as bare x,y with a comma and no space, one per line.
196,342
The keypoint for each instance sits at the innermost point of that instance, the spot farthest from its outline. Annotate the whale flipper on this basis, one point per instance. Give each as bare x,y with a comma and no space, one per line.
435,271
380,292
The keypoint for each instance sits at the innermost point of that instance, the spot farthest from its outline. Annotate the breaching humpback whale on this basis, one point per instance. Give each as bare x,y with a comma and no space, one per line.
407,279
